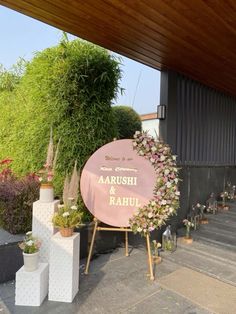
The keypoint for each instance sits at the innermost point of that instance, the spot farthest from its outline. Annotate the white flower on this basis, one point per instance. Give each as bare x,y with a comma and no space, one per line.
153,203
163,158
137,132
166,172
30,243
144,142
152,160
28,233
141,153
163,202
168,184
177,193
74,207
150,215
176,180
153,149
60,206
174,157
40,179
65,214
139,229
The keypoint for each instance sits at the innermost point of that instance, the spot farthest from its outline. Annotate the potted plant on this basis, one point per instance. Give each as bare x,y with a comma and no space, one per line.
68,216
188,224
30,247
224,195
156,248
66,219
201,208
46,194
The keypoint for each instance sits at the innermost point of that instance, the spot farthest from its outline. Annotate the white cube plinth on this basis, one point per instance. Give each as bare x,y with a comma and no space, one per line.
64,268
32,287
42,226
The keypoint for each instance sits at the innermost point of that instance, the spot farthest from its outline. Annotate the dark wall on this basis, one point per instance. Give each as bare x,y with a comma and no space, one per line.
200,127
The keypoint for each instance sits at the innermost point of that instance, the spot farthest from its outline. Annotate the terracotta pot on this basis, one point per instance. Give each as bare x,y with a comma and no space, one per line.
66,232
188,240
204,221
156,259
46,193
31,261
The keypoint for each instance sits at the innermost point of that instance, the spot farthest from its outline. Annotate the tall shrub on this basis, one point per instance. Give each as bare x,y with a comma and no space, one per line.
16,201
127,121
69,87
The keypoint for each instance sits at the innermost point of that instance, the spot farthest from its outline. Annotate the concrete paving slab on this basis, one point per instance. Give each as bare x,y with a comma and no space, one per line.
209,293
165,301
206,264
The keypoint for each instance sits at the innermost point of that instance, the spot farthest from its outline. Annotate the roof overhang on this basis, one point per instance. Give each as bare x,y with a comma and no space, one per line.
196,38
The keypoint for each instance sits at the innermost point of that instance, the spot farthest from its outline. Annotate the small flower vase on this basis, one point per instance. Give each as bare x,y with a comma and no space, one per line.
187,239
46,193
187,235
66,232
156,259
31,261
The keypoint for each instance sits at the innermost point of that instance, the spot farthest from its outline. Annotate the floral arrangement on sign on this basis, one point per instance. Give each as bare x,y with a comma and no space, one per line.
68,215
188,224
45,175
165,199
31,244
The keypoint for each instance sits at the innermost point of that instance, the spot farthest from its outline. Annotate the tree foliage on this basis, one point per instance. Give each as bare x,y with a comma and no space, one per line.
69,87
127,121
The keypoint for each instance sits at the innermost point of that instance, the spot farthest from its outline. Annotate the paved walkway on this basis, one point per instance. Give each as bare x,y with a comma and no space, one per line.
196,279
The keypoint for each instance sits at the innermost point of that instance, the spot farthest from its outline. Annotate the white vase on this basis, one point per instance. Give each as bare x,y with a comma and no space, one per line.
31,261
46,193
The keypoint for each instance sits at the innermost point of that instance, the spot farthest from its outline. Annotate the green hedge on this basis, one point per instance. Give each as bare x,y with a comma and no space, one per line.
127,121
70,87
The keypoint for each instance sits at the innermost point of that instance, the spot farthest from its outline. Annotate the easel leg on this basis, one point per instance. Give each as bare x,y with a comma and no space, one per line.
150,258
126,244
91,247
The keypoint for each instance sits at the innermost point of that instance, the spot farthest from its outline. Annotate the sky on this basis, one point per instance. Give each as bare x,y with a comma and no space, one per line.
21,36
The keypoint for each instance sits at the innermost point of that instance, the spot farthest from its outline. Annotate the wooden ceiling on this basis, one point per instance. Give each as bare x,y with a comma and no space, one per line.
194,37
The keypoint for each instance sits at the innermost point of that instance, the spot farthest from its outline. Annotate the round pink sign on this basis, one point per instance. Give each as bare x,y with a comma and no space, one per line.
115,182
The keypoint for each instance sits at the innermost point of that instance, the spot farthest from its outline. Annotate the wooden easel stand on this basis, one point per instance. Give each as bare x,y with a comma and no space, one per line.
126,230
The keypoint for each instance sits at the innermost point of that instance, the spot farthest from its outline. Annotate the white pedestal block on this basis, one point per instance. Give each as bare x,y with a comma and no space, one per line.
32,287
64,268
42,226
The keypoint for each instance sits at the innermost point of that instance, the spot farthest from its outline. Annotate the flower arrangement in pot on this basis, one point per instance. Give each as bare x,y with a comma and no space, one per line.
201,208
68,216
30,247
225,196
188,225
45,175
156,249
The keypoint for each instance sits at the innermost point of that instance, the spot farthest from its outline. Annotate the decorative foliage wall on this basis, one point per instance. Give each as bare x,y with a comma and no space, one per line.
69,87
